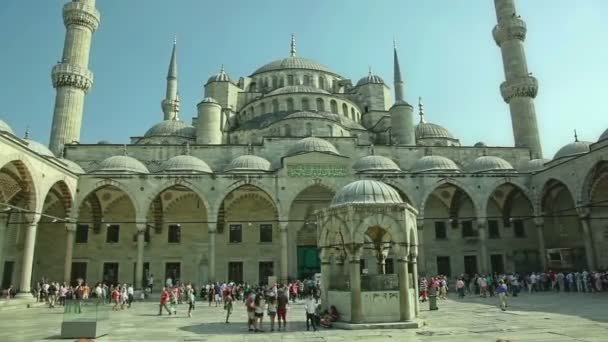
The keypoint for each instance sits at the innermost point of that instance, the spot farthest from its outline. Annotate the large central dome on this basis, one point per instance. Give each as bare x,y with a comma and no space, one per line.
292,62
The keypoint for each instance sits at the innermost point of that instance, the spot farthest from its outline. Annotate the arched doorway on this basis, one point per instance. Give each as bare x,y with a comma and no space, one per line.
304,260
247,236
596,191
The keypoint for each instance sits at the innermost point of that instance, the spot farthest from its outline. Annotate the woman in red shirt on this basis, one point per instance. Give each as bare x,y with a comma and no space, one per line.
115,296
164,299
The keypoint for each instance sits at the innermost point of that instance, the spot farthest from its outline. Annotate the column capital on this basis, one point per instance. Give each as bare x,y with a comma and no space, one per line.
539,221
283,225
141,227
583,212
32,218
212,227
354,251
481,222
420,223
70,227
325,255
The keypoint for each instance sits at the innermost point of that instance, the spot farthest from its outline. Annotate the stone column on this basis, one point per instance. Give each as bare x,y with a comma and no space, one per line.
70,230
284,253
587,237
420,234
29,247
483,247
211,250
381,258
414,262
339,264
542,254
325,257
356,311
4,218
404,287
139,264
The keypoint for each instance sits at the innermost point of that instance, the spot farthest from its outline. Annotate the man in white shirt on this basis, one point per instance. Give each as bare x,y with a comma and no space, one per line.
310,306
99,293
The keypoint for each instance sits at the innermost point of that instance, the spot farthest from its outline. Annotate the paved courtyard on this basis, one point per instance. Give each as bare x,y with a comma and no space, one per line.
540,317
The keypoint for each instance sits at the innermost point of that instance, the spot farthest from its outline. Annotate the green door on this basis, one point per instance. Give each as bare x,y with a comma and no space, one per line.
308,261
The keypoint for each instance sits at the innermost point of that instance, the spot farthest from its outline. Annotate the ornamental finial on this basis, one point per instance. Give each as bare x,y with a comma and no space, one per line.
249,148
124,150
187,149
293,45
369,69
175,40
222,69
575,136
27,132
372,151
421,109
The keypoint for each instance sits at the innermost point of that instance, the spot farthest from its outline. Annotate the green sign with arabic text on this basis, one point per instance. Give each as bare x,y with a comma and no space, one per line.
316,170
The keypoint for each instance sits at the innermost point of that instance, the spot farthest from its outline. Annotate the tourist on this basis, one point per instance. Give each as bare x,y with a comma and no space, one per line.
169,283
123,296
329,317
63,291
191,298
217,294
173,296
423,295
282,301
250,307
115,298
8,293
228,308
460,288
483,286
310,306
164,299
210,293
99,293
259,305
272,309
150,282
52,291
502,295
130,294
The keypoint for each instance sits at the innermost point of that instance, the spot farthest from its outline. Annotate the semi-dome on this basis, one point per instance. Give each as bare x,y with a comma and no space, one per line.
376,163
4,127
313,144
171,128
435,164
573,149
297,89
249,163
426,130
370,79
185,163
39,148
366,191
72,166
292,62
121,164
221,76
534,165
604,136
490,164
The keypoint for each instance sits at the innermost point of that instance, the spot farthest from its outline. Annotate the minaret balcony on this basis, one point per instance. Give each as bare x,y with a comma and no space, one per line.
78,13
64,74
508,29
526,86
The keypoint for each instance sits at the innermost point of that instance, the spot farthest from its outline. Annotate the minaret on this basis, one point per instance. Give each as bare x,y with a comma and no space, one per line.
71,76
170,104
520,88
402,113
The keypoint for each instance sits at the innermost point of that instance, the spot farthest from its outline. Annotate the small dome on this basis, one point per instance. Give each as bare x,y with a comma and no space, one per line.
221,76
573,149
103,142
366,192
370,79
480,144
4,127
72,166
39,148
171,128
534,165
119,164
604,135
375,163
426,130
313,144
292,62
435,164
185,163
249,163
490,164
297,89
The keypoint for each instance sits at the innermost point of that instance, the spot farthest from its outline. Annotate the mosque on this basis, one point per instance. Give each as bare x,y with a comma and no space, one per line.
235,193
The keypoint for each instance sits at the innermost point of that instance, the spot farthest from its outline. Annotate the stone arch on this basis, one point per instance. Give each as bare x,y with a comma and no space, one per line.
305,103
333,104
594,176
400,189
549,186
386,222
65,195
308,183
26,180
504,182
290,104
172,183
275,102
344,109
234,186
451,182
334,231
320,104
109,183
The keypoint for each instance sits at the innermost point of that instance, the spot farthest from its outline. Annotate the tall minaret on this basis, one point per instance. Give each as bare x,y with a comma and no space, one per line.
520,88
71,76
170,104
402,113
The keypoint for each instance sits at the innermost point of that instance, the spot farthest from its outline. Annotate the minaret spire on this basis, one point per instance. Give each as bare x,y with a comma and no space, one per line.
170,104
71,77
519,88
421,109
399,97
293,45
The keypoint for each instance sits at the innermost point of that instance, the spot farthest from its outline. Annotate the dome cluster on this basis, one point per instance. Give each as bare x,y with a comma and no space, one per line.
370,79
366,192
572,149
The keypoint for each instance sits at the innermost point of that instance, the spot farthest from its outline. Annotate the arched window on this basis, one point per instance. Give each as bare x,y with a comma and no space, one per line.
330,130
281,82
253,87
345,109
290,80
263,108
305,104
320,105
321,82
334,106
275,106
352,111
275,82
353,117
290,106
287,130
308,129
307,80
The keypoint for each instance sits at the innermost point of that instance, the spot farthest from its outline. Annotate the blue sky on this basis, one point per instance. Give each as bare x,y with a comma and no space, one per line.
447,56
